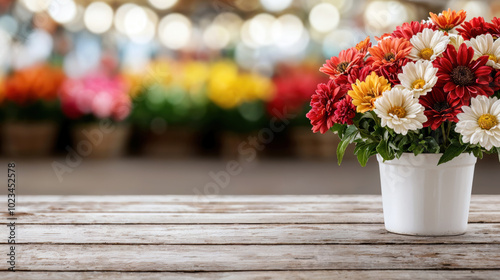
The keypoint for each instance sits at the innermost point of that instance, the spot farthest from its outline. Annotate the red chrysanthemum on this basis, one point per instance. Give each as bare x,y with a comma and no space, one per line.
342,64
323,106
345,111
447,20
473,28
462,77
407,30
391,71
494,29
357,73
495,80
439,107
389,51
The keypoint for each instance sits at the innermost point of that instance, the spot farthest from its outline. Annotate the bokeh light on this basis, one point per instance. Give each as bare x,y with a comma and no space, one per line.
98,17
324,17
384,16
275,5
287,30
162,4
62,11
260,29
175,31
216,37
36,5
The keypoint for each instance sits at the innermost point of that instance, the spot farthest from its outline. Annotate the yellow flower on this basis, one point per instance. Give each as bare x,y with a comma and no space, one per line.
365,93
228,88
194,76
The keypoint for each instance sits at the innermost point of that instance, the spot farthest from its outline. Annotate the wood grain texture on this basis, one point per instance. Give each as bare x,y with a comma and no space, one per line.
251,275
218,204
239,237
222,198
220,218
227,234
253,257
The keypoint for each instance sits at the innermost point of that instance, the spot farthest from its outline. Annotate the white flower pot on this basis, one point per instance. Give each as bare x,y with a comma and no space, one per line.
422,198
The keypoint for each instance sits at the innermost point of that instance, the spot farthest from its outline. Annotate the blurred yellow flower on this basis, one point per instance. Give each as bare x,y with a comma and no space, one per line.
228,88
194,76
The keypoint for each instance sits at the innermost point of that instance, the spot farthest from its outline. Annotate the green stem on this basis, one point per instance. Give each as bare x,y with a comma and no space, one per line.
364,134
448,130
375,118
444,135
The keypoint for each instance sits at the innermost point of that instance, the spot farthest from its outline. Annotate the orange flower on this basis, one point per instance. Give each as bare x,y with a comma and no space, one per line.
447,20
364,45
388,51
39,82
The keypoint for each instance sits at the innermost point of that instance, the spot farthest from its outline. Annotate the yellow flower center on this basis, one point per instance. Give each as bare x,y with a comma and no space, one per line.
418,84
398,111
492,57
487,121
426,53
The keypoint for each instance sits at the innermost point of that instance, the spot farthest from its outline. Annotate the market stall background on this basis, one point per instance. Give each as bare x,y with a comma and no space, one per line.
185,83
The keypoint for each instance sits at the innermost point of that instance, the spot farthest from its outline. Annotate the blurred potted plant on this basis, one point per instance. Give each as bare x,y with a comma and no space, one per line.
293,86
238,101
169,107
97,104
31,110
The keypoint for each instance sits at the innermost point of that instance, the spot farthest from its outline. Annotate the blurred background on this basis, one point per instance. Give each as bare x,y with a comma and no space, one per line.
186,96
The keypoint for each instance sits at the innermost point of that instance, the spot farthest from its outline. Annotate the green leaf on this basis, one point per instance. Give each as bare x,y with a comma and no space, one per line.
452,152
498,151
383,150
348,137
478,152
338,128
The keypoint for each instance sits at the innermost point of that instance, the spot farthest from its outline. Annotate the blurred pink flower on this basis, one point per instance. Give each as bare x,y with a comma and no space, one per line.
98,95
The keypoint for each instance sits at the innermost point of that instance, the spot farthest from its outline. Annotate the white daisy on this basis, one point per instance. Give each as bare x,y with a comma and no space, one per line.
428,44
456,40
418,77
479,123
485,45
398,110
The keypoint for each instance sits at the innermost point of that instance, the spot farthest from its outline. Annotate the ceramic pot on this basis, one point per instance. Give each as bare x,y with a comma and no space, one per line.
28,139
422,198
100,141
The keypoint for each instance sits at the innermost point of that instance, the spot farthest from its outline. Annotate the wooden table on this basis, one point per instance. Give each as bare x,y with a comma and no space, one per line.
238,237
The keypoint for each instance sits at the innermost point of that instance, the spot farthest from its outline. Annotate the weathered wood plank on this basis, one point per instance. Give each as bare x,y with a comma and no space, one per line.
246,275
219,218
219,207
221,198
252,257
271,234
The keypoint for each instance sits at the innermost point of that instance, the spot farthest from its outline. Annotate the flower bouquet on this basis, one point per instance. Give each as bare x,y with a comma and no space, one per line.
425,97
31,109
97,104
